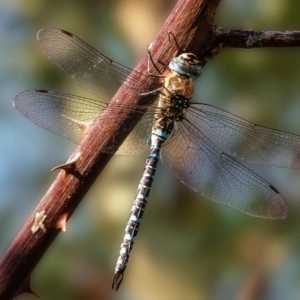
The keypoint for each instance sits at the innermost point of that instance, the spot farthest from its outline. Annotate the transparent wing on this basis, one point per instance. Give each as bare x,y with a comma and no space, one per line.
67,116
92,70
138,138
245,140
201,166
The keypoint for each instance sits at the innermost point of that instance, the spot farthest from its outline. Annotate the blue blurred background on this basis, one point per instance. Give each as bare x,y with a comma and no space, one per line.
188,247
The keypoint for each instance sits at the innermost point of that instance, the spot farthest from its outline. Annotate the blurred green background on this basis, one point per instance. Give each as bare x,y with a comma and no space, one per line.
188,247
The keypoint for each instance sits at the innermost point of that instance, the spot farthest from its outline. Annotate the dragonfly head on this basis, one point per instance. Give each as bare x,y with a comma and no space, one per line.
186,64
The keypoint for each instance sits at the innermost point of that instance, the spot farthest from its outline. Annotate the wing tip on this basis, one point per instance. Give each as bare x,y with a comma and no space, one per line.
42,32
282,213
42,91
278,208
17,99
67,33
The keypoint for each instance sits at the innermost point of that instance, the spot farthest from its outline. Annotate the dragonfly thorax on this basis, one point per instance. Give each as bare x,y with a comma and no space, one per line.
175,109
177,84
176,98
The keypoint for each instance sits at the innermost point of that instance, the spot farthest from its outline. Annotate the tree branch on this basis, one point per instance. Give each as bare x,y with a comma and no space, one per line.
191,22
255,39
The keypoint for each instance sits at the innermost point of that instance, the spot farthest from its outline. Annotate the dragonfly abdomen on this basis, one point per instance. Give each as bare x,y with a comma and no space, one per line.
160,133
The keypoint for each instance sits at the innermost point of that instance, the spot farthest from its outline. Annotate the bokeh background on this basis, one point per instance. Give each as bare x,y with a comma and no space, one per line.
188,247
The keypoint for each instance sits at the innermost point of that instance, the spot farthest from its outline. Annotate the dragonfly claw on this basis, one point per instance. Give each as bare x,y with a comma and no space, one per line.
117,280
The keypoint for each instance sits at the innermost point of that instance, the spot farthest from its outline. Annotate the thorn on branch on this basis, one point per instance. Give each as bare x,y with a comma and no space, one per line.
70,168
84,126
62,221
26,288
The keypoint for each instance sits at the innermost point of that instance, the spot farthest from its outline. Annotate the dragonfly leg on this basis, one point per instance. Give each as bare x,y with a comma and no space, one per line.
150,59
147,93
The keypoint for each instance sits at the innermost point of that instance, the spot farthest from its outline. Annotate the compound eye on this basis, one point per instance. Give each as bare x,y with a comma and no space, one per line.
191,58
195,71
186,65
181,61
179,65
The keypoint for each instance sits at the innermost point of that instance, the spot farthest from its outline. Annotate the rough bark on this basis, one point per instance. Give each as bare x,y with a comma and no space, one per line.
256,39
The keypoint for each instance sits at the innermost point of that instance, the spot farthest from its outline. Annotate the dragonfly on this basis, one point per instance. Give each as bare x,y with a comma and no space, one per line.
197,142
